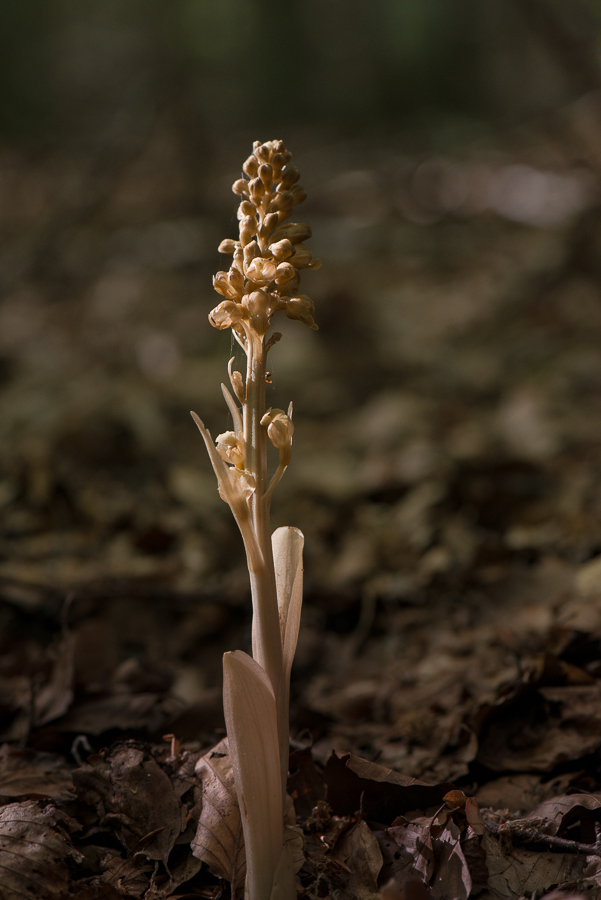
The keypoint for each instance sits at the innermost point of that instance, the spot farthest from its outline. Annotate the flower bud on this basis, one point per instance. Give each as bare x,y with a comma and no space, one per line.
251,251
294,231
257,189
299,194
240,187
227,246
285,272
291,287
279,430
300,307
277,163
266,174
263,152
281,201
261,271
282,250
251,166
248,229
236,381
271,221
279,147
302,256
289,177
246,208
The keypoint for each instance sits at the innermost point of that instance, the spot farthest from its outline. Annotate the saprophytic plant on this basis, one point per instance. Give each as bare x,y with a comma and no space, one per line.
262,280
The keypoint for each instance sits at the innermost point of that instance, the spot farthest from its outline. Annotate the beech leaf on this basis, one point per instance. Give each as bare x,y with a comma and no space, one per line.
34,851
219,841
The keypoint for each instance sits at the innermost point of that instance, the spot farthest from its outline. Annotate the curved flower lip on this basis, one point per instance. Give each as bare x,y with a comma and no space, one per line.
231,448
223,286
227,314
261,271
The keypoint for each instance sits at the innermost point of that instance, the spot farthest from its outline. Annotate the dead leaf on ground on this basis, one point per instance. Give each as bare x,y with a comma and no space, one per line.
519,793
34,775
407,850
554,815
130,790
360,851
512,874
536,729
34,851
382,793
305,782
219,840
452,876
128,712
127,876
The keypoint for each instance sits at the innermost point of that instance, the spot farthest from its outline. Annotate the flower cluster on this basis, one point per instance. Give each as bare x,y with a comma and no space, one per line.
267,258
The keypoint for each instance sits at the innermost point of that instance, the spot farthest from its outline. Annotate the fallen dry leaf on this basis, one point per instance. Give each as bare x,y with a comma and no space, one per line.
382,793
34,851
536,729
512,874
124,711
305,782
452,876
407,850
127,876
34,775
554,814
219,840
359,850
130,790
519,793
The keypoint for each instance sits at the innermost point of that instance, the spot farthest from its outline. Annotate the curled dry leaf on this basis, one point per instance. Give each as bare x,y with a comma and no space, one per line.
452,876
381,793
434,853
34,851
219,840
554,814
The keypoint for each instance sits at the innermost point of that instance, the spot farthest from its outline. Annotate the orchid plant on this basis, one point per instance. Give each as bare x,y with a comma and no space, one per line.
263,279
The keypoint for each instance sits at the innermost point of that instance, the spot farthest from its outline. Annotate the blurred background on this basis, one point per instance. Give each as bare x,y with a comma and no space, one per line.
447,412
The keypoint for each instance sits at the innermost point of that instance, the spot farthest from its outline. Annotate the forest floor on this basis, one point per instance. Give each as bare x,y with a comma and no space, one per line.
446,696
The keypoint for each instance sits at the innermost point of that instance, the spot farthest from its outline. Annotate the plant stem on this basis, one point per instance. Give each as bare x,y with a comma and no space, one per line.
266,637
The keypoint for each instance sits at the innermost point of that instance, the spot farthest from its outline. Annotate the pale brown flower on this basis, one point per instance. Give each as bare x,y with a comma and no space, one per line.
269,253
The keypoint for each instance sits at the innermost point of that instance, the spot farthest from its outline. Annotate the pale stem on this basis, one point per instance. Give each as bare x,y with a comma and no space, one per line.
266,637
